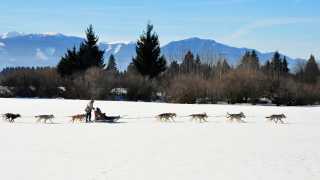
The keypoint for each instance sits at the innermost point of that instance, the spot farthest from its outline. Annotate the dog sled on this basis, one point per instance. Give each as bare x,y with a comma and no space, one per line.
103,118
107,119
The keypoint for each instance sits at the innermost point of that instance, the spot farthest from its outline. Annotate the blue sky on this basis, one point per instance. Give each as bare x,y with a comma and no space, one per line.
290,26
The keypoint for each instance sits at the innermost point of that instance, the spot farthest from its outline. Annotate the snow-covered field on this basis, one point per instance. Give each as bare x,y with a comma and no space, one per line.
144,149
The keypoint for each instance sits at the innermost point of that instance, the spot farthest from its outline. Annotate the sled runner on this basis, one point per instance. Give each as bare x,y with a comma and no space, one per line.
107,119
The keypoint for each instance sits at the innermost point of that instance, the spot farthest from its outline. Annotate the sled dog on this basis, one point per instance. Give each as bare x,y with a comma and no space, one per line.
277,118
201,117
11,117
166,117
237,117
78,118
44,118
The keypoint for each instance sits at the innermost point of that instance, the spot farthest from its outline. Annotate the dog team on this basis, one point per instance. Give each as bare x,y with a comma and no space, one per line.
169,117
165,117
10,117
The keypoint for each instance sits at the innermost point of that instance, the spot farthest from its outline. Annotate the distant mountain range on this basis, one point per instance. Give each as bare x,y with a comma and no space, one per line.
17,49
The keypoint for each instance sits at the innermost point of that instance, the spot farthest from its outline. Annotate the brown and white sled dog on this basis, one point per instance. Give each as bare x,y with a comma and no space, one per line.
44,118
166,117
78,118
11,117
237,117
277,118
200,117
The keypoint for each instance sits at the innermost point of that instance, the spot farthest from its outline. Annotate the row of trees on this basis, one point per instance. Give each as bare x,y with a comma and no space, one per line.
248,82
148,61
81,73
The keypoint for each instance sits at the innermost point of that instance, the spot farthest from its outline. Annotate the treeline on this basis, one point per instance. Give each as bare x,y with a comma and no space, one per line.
248,82
82,74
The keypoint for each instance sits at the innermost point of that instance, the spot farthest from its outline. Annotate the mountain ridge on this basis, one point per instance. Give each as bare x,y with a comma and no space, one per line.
20,49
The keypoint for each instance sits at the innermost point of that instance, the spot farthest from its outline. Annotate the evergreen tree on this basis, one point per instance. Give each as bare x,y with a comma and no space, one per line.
112,65
68,63
276,65
275,69
198,60
188,64
284,64
89,54
254,60
249,61
149,61
311,72
245,61
198,64
173,68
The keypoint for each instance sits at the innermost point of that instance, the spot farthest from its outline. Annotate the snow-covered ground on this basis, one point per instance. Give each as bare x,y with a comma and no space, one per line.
144,149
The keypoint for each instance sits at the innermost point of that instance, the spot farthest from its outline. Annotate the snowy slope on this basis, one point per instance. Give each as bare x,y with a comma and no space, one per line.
142,148
123,52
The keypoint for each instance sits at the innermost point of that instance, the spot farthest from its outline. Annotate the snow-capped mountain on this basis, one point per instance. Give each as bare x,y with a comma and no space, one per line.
210,51
11,35
34,49
19,49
